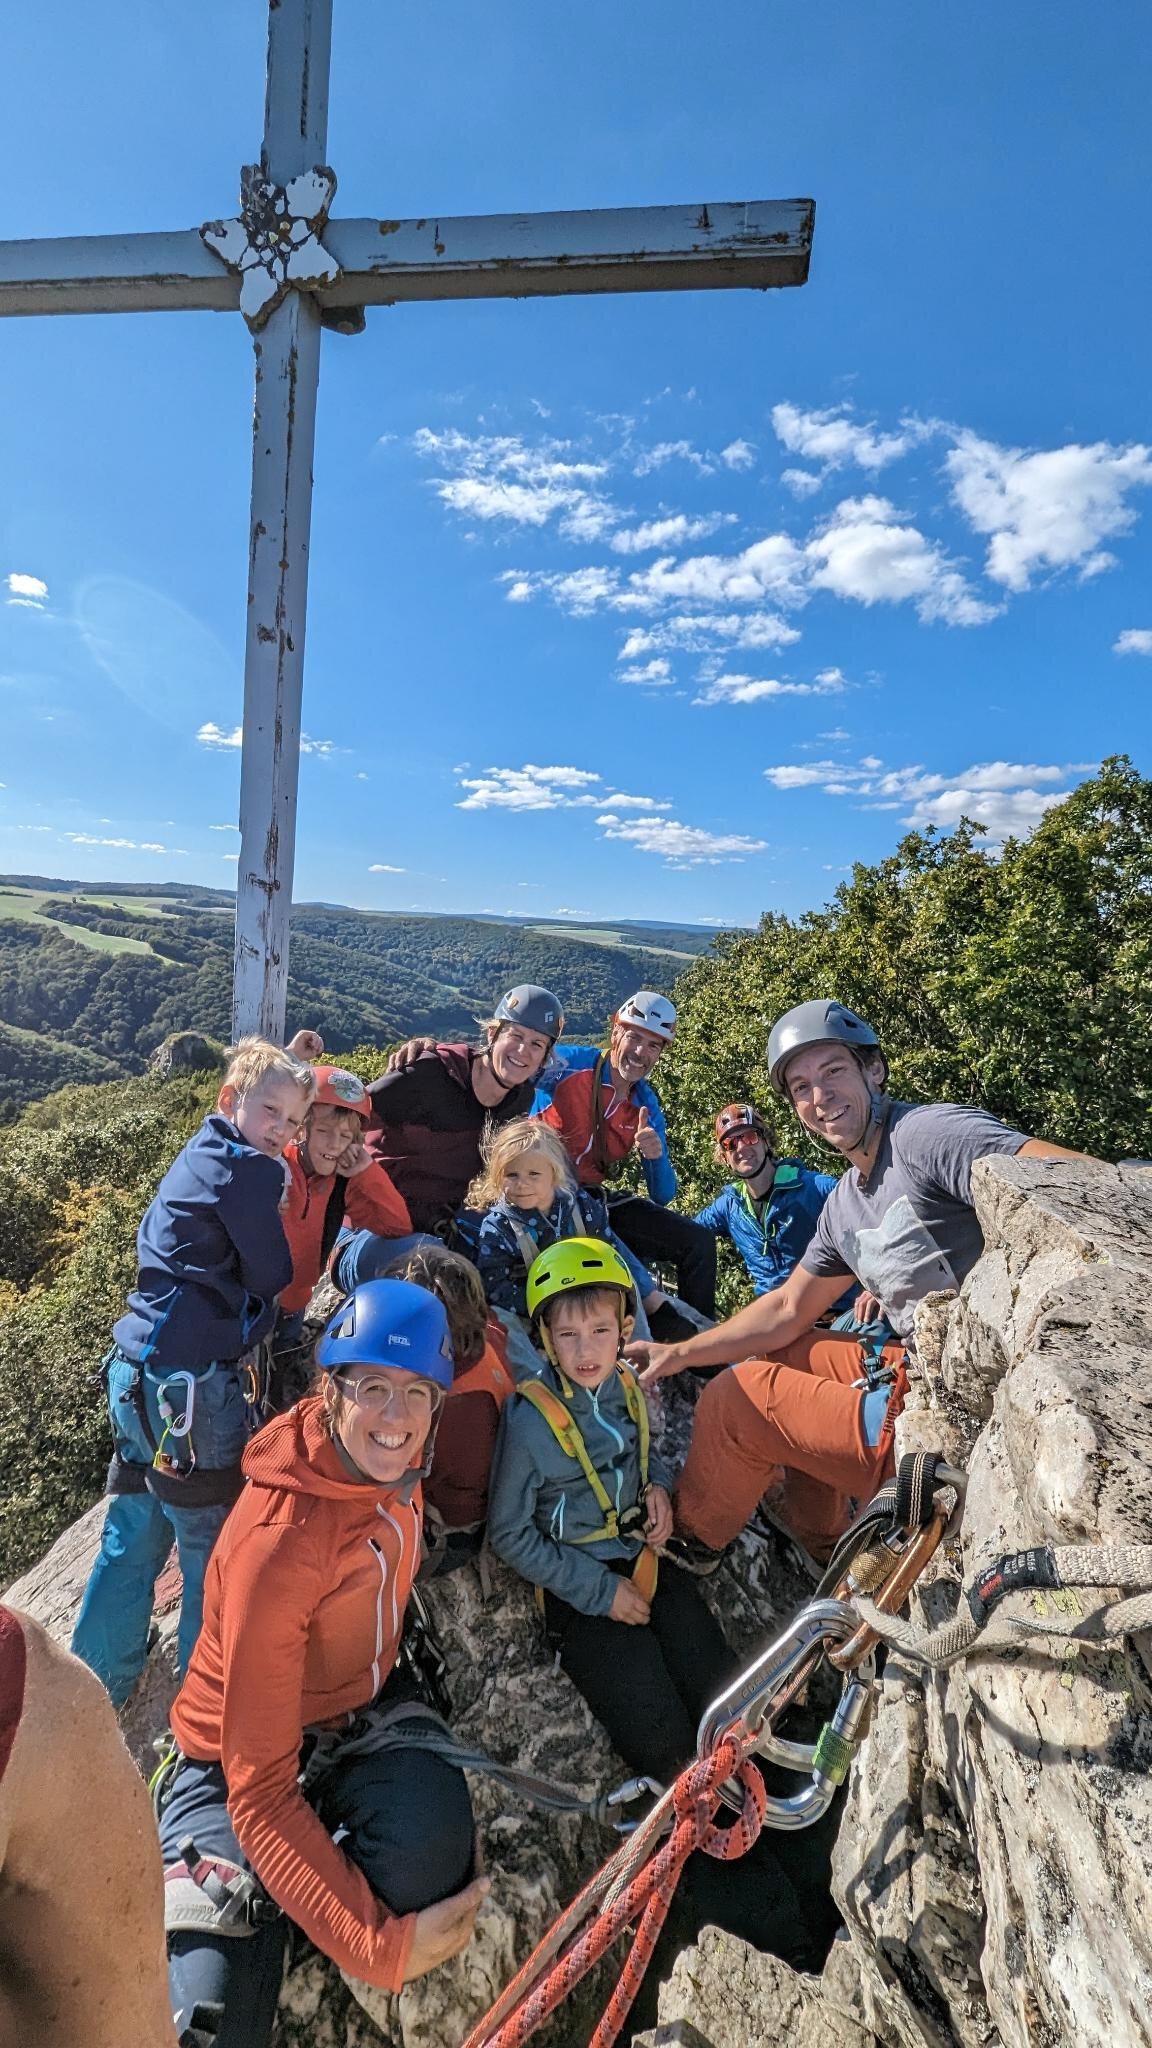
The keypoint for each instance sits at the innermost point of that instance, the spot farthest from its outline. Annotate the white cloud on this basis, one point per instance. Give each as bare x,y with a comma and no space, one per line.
138,845
529,788
663,452
29,591
863,552
738,455
503,477
229,856
681,846
1135,640
310,746
834,438
697,632
223,828
739,689
620,802
669,532
771,567
653,673
801,482
1000,794
384,867
1046,509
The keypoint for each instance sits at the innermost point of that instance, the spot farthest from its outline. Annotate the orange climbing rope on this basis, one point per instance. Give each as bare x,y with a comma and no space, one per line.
646,1897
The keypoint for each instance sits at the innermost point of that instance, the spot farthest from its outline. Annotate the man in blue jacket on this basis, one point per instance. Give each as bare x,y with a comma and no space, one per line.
770,1209
212,1258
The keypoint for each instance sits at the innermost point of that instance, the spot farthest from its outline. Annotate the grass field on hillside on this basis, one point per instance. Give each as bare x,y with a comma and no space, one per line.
593,935
25,904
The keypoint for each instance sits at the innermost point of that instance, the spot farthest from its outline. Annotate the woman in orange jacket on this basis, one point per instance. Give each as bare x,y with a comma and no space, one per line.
303,1608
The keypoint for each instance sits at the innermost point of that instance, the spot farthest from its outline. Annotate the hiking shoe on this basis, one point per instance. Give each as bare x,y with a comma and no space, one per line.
693,1556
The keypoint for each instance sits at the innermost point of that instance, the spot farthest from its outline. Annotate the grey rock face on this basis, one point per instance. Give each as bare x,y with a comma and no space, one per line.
186,1052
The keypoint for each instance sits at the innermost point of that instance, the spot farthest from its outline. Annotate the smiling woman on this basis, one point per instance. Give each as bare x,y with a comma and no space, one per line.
303,1614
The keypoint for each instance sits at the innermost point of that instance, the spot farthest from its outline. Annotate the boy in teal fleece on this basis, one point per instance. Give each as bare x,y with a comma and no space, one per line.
633,1633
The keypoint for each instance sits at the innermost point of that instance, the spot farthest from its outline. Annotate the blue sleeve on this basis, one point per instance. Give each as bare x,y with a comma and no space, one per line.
249,1208
717,1216
659,1174
824,1184
500,1265
512,1530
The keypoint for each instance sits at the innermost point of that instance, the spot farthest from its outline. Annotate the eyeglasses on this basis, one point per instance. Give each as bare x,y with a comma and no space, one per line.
421,1398
744,1135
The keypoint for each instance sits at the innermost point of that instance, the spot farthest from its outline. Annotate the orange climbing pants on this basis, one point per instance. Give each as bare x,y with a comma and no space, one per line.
799,1411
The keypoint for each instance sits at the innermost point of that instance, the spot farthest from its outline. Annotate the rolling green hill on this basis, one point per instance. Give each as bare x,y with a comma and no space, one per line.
94,975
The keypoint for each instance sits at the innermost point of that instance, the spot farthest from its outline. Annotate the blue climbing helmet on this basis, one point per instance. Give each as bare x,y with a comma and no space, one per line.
389,1322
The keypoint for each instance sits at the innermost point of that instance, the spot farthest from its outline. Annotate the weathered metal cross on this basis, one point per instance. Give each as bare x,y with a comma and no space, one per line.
292,270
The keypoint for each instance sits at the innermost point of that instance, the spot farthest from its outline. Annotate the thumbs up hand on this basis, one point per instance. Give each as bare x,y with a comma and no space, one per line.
647,1141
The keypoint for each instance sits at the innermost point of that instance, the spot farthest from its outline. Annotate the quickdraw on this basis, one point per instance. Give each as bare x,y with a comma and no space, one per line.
637,1883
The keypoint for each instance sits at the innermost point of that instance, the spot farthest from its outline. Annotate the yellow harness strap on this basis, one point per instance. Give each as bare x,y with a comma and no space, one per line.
564,1428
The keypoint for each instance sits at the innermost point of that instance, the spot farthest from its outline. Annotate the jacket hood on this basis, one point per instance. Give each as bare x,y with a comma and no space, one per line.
295,1454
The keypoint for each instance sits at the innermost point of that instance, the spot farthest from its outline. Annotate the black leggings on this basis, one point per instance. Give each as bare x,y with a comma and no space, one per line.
410,1830
661,1236
648,1687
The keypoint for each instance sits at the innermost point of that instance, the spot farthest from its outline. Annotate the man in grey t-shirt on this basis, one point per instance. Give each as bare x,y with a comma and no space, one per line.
901,1219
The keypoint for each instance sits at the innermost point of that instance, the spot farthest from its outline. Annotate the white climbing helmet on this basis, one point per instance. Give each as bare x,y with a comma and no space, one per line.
649,1011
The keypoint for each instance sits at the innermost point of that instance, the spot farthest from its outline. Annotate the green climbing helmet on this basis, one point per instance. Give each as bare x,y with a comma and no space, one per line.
575,1262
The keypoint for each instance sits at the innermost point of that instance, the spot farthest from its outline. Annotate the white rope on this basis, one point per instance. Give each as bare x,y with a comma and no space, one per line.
1106,1565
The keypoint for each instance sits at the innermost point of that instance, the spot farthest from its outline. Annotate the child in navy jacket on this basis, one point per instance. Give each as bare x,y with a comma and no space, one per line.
212,1258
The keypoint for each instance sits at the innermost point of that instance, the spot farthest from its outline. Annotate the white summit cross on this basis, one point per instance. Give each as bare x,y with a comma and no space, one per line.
291,271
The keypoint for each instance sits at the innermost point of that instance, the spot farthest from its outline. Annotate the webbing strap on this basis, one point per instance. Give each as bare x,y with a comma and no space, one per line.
567,1434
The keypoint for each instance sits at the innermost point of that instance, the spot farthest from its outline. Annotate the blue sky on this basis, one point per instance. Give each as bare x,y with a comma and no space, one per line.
667,606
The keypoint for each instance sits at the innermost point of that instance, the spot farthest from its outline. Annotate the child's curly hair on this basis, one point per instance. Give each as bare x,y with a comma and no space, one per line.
456,1284
506,1142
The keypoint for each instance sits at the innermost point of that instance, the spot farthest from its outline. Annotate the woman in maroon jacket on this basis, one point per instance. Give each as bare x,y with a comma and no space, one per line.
428,1119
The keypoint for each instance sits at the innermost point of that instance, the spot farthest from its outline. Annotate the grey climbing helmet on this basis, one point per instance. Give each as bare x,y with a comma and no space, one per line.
815,1023
536,1008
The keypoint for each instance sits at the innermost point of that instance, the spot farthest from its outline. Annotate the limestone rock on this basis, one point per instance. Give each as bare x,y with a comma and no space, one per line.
995,1862
723,1994
186,1052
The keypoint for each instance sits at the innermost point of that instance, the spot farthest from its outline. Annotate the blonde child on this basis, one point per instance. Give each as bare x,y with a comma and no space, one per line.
212,1258
527,1190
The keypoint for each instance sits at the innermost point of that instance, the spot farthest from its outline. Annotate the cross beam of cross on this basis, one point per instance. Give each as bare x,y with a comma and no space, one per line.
292,270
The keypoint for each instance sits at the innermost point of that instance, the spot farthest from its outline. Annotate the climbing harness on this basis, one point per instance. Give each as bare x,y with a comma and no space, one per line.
409,1724
637,1883
567,1434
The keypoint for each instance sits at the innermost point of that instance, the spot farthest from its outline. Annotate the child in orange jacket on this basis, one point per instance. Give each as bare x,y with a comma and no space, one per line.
330,1174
